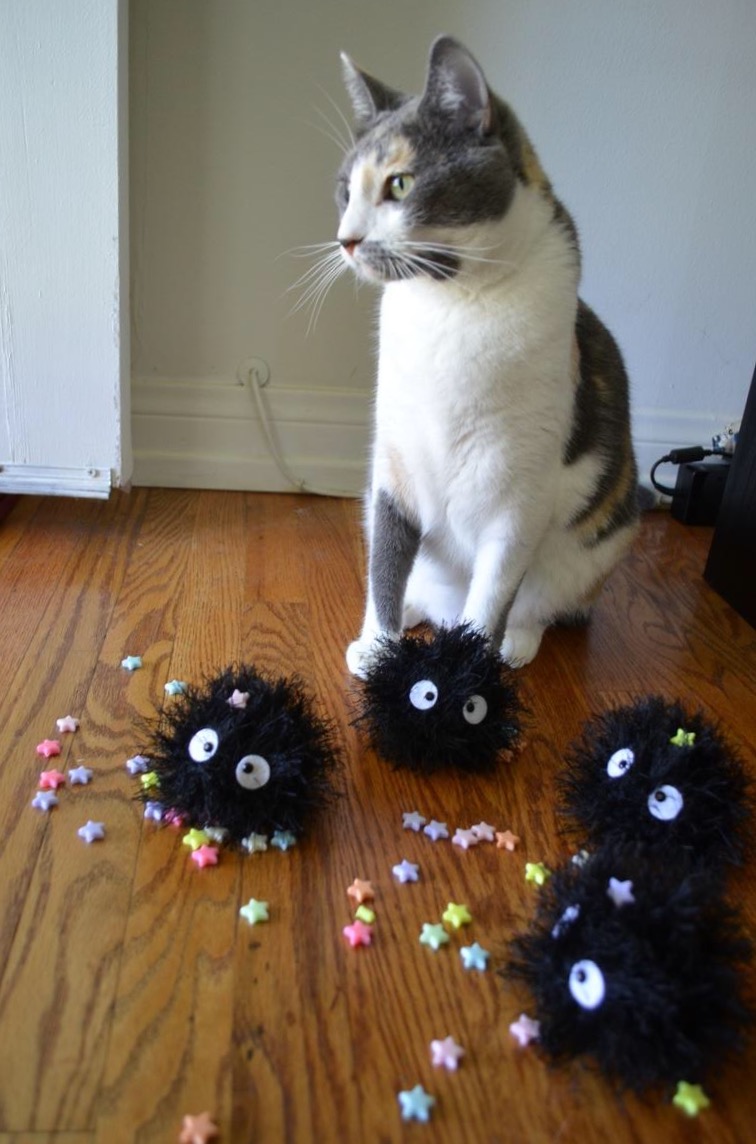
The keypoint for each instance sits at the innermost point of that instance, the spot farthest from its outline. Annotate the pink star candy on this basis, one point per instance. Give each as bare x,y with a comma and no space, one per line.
446,1053
51,780
67,723
175,819
525,1029
48,748
205,856
358,933
198,1129
239,699
465,838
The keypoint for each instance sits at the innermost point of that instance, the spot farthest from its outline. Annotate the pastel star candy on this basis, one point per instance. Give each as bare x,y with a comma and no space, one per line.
175,687
217,834
358,933
416,1104
621,893
91,831
205,856
580,858
255,911
506,840
446,1054
464,838
150,781
412,820
153,811
474,956
238,699
360,891
194,838
44,800
283,839
456,915
683,738
67,724
198,1129
132,662
51,780
81,775
138,765
525,1029
691,1098
484,832
405,871
174,818
364,914
537,873
48,748
434,936
436,830
255,843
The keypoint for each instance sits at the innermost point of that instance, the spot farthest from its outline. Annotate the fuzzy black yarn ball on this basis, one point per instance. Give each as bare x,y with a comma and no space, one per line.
244,752
447,700
656,773
636,964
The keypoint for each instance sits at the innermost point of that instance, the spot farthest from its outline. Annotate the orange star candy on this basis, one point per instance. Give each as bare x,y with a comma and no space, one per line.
506,840
361,891
198,1129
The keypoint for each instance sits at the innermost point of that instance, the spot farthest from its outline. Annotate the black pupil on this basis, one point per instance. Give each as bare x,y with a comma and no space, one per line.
581,975
660,796
248,768
207,747
470,705
429,695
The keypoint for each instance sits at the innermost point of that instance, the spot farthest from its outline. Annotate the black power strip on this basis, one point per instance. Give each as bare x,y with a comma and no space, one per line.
701,479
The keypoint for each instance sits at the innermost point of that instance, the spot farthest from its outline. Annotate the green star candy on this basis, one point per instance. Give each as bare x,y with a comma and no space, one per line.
365,914
150,781
255,912
456,915
537,873
683,738
691,1098
433,935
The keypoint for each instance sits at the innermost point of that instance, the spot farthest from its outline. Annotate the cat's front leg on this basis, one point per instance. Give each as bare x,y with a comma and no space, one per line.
498,571
393,543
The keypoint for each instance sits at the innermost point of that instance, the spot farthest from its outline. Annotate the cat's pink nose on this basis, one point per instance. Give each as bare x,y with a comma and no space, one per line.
350,244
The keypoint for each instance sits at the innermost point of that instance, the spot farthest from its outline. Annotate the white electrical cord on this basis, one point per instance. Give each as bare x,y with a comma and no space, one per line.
256,386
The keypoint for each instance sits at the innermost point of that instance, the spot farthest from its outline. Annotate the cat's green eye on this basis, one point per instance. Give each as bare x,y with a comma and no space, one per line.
399,186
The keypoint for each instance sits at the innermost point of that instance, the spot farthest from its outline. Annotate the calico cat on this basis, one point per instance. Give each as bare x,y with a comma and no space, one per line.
504,486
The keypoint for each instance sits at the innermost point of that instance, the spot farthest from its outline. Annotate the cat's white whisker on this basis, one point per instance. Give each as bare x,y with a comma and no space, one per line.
346,124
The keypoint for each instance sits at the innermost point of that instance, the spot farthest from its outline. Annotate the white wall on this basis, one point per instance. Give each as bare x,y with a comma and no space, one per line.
643,115
64,369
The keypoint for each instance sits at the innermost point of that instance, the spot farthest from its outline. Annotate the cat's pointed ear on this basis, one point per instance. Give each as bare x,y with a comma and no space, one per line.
456,87
368,95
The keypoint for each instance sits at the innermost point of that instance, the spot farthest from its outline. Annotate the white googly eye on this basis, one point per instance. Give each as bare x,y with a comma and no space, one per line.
665,803
475,709
203,745
423,695
587,984
620,763
252,772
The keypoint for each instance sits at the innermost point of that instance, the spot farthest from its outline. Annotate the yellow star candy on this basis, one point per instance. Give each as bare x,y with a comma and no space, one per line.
149,781
195,838
456,915
683,738
536,872
691,1098
365,914
255,911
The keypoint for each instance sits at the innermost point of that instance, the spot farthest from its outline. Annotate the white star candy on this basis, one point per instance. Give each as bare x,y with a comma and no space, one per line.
412,820
138,765
525,1029
91,831
464,838
254,843
81,775
446,1053
67,723
44,800
239,699
483,832
620,892
217,834
405,871
436,830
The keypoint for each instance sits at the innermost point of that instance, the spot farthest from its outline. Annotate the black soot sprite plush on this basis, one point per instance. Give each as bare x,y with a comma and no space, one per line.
654,773
244,752
635,964
444,701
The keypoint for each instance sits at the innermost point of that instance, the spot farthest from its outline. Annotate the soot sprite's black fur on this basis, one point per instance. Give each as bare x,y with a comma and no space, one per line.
708,774
461,664
670,963
279,723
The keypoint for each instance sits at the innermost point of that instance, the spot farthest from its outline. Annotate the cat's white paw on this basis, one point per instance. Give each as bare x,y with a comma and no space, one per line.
521,645
360,655
412,616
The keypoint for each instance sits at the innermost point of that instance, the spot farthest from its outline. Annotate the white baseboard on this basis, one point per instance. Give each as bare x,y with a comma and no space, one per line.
48,480
205,433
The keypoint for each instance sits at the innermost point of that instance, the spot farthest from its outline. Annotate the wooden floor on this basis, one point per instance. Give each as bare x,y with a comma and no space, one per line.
131,991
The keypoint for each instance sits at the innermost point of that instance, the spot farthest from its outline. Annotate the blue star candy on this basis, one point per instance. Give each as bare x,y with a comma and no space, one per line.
416,1104
474,956
283,839
132,662
175,687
